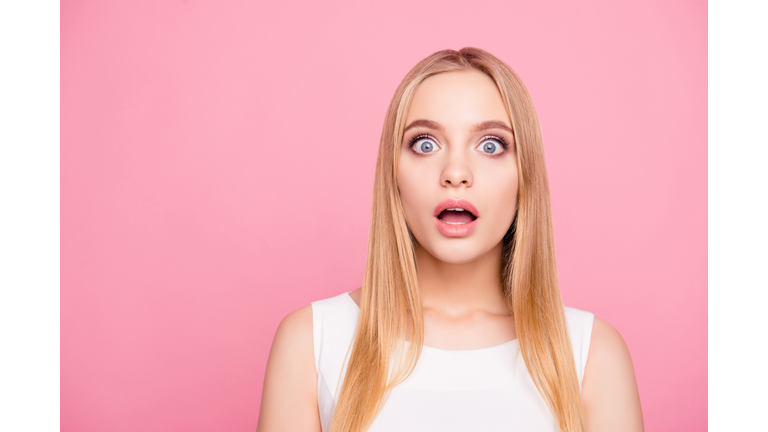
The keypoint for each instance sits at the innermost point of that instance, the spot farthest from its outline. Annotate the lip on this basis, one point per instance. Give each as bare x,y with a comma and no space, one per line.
453,203
450,230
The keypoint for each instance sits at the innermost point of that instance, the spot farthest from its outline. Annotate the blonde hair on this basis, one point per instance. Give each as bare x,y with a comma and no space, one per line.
380,359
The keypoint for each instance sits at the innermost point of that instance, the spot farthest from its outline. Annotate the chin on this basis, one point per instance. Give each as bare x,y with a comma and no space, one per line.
456,253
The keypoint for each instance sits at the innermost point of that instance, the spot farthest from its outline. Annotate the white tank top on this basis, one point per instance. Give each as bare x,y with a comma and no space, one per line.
487,389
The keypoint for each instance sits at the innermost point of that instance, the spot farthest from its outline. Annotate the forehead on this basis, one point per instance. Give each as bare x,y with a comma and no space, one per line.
458,99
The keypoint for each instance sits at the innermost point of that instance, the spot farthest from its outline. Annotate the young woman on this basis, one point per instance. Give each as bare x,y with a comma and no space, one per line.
459,324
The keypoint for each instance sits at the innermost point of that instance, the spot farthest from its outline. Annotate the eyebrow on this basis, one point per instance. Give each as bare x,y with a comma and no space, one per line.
490,124
429,124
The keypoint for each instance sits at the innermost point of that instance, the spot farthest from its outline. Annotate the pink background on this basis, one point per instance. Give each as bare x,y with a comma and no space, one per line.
217,168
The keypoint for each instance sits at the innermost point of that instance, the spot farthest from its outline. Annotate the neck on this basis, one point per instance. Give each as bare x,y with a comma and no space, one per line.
458,289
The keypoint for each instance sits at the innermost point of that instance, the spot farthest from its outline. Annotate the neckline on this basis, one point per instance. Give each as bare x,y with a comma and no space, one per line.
449,351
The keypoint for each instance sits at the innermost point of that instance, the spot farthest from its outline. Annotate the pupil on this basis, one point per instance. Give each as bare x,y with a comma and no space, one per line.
426,147
489,147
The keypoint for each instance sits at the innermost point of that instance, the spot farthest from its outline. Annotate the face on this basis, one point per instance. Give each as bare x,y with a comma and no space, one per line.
457,172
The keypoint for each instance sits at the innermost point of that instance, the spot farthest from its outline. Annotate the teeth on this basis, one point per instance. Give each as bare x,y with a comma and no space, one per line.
455,209
453,223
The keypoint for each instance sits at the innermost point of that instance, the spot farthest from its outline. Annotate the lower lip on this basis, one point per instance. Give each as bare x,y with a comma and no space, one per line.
460,230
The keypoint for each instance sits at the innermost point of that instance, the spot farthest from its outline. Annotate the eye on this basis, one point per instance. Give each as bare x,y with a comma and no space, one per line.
491,146
424,144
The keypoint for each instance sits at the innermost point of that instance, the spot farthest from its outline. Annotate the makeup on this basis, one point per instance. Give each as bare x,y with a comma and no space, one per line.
455,217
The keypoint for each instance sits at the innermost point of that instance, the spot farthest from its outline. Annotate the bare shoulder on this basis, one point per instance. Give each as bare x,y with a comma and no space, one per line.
295,331
289,397
608,347
609,389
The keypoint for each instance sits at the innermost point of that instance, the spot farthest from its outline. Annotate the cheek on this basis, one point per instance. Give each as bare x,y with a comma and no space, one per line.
505,189
407,181
415,194
511,190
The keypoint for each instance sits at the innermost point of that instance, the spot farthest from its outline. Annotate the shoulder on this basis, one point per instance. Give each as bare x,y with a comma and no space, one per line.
609,391
292,345
294,333
289,400
348,301
579,320
579,330
608,353
333,323
332,317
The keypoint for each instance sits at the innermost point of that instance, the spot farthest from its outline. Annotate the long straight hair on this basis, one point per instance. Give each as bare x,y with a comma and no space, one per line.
380,358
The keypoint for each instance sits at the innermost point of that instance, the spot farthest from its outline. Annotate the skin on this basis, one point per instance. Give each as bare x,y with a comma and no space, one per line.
458,277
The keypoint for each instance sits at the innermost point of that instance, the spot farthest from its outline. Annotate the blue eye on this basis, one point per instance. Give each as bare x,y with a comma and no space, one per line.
425,145
491,147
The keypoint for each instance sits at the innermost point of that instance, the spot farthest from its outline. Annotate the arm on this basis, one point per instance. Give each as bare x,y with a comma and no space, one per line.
609,388
289,398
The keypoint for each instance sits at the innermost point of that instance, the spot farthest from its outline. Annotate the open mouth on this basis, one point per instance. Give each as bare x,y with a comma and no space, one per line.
456,216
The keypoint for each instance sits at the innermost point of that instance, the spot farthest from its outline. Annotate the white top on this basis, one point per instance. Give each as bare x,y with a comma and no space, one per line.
487,389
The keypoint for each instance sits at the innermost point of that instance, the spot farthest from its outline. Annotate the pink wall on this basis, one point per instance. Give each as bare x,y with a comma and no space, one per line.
217,168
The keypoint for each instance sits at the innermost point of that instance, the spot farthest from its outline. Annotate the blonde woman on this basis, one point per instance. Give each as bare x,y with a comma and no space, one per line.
459,324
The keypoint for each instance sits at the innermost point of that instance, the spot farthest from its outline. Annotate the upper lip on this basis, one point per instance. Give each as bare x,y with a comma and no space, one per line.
455,203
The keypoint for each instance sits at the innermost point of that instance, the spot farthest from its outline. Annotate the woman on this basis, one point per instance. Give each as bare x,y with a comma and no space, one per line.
459,324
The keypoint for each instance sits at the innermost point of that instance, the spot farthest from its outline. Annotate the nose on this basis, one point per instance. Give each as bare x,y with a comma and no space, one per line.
456,172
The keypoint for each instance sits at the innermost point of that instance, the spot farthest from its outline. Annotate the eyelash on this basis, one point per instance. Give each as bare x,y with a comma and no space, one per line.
416,138
501,140
413,140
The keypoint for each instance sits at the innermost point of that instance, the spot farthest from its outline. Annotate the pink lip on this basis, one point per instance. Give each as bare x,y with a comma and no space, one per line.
450,230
